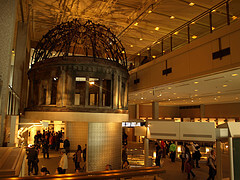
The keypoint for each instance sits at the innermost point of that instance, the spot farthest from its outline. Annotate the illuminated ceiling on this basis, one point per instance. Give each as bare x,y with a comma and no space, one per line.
130,20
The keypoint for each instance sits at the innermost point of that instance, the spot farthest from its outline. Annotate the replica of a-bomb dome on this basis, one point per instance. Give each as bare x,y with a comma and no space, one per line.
81,65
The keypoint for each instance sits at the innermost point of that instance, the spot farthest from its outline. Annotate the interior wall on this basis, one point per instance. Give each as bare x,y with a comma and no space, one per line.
132,111
222,110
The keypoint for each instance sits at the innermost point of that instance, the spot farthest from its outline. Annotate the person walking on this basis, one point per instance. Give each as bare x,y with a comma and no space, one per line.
158,154
77,158
172,150
183,155
63,164
66,145
212,165
85,156
196,153
32,156
45,145
188,163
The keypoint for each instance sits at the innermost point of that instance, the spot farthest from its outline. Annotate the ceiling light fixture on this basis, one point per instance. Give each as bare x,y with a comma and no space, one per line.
191,4
136,24
123,52
219,92
194,36
169,87
153,57
138,54
140,39
196,82
156,28
172,17
234,17
176,33
195,90
214,10
213,28
148,48
193,22
234,74
141,97
131,45
225,85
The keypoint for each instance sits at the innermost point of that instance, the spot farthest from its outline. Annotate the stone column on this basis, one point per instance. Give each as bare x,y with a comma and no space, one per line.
125,104
69,90
13,130
7,23
155,110
202,110
115,91
87,92
120,92
100,99
49,91
60,83
137,111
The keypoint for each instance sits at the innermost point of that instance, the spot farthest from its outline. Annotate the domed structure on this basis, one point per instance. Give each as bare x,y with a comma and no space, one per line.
78,83
77,39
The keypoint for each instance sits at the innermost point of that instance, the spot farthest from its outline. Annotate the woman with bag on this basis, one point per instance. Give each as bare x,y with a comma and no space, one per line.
77,158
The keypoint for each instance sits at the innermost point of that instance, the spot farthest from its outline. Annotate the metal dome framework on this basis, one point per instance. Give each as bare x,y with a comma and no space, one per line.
75,39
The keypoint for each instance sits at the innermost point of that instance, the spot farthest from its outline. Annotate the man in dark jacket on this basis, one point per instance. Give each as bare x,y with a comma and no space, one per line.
32,156
45,145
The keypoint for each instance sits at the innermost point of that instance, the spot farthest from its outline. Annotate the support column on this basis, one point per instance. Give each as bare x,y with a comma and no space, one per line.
146,151
7,23
155,110
230,143
49,91
219,159
59,91
87,92
115,91
119,91
13,130
137,111
202,110
125,105
100,99
40,93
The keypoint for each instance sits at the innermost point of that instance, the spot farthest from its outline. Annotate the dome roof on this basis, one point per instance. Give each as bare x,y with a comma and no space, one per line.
77,39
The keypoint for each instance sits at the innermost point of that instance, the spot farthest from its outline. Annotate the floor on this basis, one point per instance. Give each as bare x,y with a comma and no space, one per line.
135,156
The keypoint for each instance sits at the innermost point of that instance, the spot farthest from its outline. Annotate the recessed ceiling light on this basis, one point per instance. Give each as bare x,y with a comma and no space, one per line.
219,92
156,28
158,42
153,57
194,36
193,22
213,28
141,97
214,10
196,82
140,39
174,93
138,54
237,98
169,87
160,94
195,90
215,98
169,99
136,24
131,45
191,4
176,33
178,97
234,74
191,100
234,17
172,17
219,96
148,48
195,95
150,11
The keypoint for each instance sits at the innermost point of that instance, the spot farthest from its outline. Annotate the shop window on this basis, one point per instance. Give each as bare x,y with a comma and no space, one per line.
106,92
80,90
93,91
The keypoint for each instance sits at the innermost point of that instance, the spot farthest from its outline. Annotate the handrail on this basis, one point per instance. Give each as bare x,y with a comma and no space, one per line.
102,174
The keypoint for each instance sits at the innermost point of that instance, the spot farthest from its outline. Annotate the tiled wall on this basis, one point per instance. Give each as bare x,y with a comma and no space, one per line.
104,145
77,132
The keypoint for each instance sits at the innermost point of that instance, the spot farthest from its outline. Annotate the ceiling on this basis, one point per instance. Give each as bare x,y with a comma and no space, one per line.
130,20
223,87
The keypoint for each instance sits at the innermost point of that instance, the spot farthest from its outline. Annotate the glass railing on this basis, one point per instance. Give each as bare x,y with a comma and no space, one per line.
222,14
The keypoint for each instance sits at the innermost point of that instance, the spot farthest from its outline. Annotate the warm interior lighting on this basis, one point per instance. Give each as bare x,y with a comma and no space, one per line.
164,51
191,4
214,10
156,28
140,39
172,17
176,33
195,90
153,57
158,42
150,11
91,82
193,22
123,52
141,97
213,28
195,95
138,54
234,75
234,17
207,150
136,24
131,45
169,87
219,92
196,82
225,85
148,48
194,36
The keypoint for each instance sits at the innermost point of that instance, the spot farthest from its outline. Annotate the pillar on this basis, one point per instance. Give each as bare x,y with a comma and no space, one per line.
137,111
21,63
202,110
13,130
49,91
230,146
155,110
7,24
40,92
60,83
125,104
115,91
219,159
119,91
100,99
87,92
